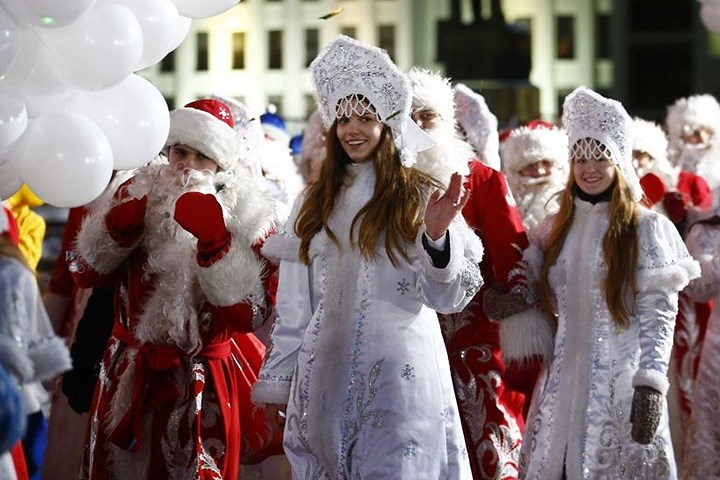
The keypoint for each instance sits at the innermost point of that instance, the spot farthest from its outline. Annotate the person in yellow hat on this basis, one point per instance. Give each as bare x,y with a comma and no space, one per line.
31,224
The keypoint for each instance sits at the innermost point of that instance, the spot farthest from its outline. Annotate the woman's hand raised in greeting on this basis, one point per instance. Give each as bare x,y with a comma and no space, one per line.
442,209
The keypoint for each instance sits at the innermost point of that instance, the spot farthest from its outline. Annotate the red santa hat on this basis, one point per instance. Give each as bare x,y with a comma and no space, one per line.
535,141
207,126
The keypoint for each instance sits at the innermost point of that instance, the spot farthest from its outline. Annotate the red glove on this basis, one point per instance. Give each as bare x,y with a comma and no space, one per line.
653,188
201,215
125,222
675,206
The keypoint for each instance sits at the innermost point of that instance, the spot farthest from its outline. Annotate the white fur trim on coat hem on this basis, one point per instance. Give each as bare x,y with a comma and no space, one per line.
525,335
651,378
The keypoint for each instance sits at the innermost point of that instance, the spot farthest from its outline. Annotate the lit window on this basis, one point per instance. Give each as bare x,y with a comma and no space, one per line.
238,50
202,57
275,50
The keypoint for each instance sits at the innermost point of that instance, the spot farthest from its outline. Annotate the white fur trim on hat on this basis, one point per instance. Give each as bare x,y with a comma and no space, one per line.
525,146
648,137
205,133
694,111
479,123
433,92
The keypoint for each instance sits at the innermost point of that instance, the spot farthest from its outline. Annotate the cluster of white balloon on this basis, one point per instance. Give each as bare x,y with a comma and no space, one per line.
710,14
71,107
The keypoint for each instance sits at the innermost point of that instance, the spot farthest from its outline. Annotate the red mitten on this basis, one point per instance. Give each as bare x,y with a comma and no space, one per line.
653,188
125,222
675,206
201,215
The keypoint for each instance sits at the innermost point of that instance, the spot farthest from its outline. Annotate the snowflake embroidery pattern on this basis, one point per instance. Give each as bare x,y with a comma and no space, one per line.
403,287
410,450
408,372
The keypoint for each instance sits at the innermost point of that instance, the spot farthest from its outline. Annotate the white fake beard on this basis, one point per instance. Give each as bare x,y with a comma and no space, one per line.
704,162
449,155
171,258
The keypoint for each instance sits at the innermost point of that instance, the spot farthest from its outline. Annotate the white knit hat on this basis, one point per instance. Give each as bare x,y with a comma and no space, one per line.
531,143
479,123
207,126
587,114
347,68
693,112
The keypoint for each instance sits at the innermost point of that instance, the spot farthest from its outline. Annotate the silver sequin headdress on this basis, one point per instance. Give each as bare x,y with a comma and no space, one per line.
349,69
587,114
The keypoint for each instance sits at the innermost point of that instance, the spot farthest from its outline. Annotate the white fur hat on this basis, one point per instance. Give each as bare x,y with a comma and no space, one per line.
430,90
207,126
694,111
479,123
587,114
648,137
538,140
347,68
249,129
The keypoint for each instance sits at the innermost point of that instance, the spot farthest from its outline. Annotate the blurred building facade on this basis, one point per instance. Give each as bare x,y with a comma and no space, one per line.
644,52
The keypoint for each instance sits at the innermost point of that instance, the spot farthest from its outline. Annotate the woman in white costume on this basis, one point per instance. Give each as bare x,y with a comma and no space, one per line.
609,271
357,372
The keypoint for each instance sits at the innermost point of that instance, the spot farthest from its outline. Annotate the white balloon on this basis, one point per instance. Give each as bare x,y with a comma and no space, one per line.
66,159
10,40
40,104
182,28
33,72
158,19
132,114
99,50
10,179
13,120
48,13
710,16
204,8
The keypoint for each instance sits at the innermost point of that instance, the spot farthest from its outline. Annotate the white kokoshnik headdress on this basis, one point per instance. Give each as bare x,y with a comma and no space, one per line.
587,114
351,70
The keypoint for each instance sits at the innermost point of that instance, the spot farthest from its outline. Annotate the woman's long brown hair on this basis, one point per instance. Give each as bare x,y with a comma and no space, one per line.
396,207
620,248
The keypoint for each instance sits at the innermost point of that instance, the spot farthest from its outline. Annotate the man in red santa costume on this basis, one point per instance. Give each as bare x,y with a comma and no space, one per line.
682,195
180,241
491,412
535,160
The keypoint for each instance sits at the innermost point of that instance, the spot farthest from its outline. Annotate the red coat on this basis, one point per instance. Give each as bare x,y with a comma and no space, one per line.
492,413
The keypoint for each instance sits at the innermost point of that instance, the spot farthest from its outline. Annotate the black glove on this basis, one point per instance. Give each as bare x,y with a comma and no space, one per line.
91,337
645,414
499,305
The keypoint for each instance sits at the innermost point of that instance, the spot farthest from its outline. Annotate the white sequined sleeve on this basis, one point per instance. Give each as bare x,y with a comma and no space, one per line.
664,268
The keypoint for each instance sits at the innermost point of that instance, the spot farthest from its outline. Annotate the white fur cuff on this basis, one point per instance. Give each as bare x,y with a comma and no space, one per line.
97,248
50,356
454,266
265,392
281,246
651,378
525,335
